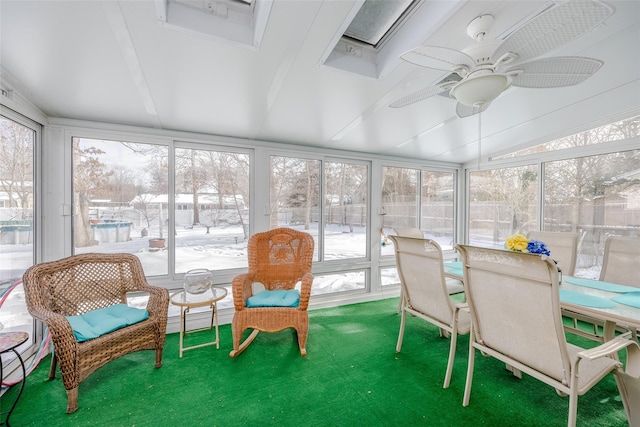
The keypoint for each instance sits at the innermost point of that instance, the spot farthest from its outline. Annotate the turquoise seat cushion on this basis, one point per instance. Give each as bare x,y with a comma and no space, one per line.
278,298
95,323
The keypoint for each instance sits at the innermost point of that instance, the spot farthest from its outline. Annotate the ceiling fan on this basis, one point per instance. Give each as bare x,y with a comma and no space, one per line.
482,71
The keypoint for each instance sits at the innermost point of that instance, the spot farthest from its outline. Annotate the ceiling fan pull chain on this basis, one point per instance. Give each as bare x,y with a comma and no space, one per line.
479,137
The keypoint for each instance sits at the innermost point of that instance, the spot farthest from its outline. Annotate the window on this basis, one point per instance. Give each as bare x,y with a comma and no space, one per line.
399,201
620,130
437,217
597,196
121,200
345,210
17,227
217,184
502,202
424,199
295,195
342,282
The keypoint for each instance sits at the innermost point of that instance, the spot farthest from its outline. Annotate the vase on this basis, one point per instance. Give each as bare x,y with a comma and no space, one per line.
198,281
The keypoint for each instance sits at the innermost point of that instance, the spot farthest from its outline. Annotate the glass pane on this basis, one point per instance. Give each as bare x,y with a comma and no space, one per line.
295,195
389,277
16,224
340,282
345,218
618,131
597,196
212,209
121,201
502,202
399,202
375,18
437,218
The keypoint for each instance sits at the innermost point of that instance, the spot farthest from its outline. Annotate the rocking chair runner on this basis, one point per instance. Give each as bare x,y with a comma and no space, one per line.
278,260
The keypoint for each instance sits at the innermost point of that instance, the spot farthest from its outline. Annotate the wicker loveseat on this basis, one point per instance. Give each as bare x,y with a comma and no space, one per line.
82,283
278,260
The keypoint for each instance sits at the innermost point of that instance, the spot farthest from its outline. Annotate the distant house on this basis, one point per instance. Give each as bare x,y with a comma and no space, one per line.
631,194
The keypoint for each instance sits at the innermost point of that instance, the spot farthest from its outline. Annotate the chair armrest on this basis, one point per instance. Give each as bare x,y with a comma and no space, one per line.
241,289
606,349
305,291
158,303
462,306
58,325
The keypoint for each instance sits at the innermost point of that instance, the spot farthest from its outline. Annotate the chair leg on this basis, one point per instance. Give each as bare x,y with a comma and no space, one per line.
467,385
302,343
240,348
515,371
573,407
158,358
72,400
52,369
401,333
452,354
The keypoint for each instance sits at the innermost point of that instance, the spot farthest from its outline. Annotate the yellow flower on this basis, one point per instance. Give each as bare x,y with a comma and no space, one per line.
517,242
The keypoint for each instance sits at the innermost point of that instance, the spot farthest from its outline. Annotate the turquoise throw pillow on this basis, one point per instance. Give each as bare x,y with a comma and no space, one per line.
278,298
104,320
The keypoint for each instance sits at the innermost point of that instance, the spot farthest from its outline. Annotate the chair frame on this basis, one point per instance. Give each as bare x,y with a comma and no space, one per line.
282,274
490,271
56,289
631,251
432,287
558,241
552,240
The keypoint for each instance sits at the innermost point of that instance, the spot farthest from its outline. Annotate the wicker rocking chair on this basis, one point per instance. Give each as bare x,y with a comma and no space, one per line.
78,284
278,259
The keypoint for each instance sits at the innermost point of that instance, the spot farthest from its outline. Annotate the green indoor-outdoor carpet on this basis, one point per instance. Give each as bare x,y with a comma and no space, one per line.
352,376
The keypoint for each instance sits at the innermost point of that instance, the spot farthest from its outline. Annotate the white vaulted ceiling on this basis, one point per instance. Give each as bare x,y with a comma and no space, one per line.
116,62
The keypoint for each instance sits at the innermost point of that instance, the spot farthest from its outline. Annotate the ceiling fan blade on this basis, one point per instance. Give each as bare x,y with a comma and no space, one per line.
466,111
438,58
554,28
555,72
421,94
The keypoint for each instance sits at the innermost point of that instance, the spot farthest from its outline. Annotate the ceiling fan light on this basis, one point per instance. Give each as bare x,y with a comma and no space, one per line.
480,90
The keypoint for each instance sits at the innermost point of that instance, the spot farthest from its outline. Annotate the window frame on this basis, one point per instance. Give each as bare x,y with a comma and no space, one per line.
36,334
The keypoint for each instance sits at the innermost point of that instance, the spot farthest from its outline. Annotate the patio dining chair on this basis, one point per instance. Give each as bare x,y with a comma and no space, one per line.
563,247
425,295
454,286
621,261
514,302
564,251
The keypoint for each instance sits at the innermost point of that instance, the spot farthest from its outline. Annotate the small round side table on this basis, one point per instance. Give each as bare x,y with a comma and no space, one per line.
9,341
187,301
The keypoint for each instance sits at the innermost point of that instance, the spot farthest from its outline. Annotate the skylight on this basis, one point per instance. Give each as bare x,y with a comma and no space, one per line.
375,32
238,21
376,18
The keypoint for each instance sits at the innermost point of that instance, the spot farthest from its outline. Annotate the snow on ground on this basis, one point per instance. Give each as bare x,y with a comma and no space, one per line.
223,247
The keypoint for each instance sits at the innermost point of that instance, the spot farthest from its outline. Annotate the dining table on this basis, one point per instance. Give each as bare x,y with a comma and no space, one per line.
616,306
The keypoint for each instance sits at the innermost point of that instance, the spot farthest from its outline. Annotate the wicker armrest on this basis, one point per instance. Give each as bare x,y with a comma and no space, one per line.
158,300
241,288
58,324
305,291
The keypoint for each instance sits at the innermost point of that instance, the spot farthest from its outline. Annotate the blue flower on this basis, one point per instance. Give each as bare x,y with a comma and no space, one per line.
537,247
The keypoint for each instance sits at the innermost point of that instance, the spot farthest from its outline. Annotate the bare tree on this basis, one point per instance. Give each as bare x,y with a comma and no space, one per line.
89,174
16,165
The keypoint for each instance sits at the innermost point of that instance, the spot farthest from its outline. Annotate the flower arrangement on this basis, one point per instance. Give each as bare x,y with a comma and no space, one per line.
519,243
